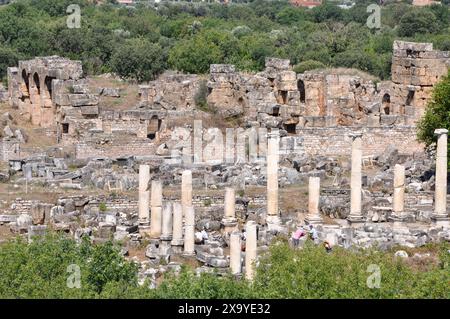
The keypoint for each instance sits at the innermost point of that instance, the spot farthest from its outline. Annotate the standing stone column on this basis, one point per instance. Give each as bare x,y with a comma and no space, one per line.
250,250
356,216
440,216
177,234
166,232
398,200
189,232
156,209
186,190
313,202
235,253
272,179
144,195
229,221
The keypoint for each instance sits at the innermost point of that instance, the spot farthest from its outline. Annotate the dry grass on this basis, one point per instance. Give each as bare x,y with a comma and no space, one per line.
129,93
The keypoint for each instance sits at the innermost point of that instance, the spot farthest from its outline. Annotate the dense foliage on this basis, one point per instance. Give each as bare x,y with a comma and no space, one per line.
437,114
141,42
43,270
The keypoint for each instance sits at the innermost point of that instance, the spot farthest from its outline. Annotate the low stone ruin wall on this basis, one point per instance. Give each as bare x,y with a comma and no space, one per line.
335,141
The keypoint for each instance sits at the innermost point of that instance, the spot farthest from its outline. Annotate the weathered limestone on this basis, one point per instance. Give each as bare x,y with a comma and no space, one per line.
186,190
235,253
398,201
440,216
144,194
177,233
156,209
250,250
272,178
356,216
229,221
189,231
313,202
167,220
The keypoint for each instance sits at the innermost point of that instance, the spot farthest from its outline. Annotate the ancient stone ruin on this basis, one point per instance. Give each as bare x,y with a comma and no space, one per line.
152,172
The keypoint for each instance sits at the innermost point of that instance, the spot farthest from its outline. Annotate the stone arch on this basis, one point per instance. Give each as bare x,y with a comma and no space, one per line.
386,103
47,91
25,89
37,83
301,89
153,127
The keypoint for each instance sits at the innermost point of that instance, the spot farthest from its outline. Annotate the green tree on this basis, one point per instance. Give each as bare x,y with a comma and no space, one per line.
437,113
308,65
138,59
418,21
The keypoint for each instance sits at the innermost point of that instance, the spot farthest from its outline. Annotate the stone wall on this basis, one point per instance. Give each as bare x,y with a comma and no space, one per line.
335,141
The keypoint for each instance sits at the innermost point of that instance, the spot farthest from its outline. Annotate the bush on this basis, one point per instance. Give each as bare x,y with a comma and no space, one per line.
138,59
308,65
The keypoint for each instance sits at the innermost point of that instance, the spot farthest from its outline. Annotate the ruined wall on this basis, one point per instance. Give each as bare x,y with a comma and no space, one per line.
416,67
114,147
335,141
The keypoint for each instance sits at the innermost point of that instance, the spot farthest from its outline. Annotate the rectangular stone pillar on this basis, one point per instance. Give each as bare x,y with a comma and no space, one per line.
250,250
166,232
156,209
189,232
235,253
144,195
313,202
356,216
440,216
177,233
272,178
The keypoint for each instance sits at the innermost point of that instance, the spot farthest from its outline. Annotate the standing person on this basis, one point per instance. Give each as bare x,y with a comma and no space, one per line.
313,234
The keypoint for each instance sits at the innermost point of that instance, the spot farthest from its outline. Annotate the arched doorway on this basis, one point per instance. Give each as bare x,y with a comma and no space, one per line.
25,87
386,103
301,89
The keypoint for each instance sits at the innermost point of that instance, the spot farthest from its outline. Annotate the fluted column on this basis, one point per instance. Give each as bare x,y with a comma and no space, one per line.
144,194
189,231
440,215
250,250
167,220
272,178
356,179
156,209
235,253
313,201
229,220
186,190
177,233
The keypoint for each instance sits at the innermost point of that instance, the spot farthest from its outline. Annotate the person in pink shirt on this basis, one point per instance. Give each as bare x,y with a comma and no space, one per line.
299,233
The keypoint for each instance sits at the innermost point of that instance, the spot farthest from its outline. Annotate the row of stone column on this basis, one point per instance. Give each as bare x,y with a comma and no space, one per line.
440,199
355,217
166,220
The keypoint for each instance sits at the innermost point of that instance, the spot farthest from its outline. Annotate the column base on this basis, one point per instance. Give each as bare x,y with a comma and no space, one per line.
356,220
177,242
144,230
188,254
313,220
166,237
440,220
229,224
273,223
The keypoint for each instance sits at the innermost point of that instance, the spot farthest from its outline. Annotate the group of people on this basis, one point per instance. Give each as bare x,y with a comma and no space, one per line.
312,232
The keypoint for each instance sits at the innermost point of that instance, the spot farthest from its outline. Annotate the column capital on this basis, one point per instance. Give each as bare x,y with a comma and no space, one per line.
440,131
